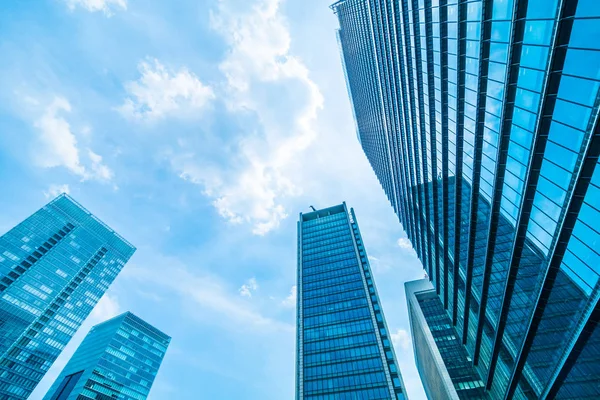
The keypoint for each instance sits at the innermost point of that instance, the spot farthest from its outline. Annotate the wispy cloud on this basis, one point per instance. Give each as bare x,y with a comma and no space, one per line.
161,92
211,298
290,301
401,340
248,288
259,69
54,190
58,146
404,244
107,307
106,6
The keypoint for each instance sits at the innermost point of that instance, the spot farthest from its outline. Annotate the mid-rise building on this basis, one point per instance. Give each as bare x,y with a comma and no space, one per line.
54,267
442,360
344,348
118,359
480,119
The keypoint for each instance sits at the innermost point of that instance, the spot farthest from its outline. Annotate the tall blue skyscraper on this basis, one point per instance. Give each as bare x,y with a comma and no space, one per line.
118,359
480,119
54,267
344,349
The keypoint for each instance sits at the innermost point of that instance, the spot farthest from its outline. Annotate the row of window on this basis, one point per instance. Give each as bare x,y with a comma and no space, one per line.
340,355
344,383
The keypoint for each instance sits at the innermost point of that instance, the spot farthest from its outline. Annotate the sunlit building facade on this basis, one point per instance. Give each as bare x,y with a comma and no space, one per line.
118,359
344,348
480,119
54,267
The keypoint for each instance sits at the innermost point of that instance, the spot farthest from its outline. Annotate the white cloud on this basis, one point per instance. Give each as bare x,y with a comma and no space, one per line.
99,170
107,307
58,147
55,190
248,288
378,265
404,244
265,80
212,301
401,340
290,301
58,143
106,6
161,92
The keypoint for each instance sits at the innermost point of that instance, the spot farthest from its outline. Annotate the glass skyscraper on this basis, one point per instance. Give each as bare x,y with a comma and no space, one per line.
54,267
118,359
480,119
344,350
442,361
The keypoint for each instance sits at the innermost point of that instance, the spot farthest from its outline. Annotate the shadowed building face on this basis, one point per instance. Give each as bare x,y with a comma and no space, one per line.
480,119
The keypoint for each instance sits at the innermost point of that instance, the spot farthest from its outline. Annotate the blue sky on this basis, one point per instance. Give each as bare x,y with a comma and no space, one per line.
198,130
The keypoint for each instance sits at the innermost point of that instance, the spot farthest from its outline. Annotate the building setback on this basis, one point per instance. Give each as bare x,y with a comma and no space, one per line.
118,358
344,349
480,119
54,267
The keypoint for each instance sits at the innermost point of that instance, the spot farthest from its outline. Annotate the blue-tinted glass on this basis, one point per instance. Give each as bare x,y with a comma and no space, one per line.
588,8
473,31
538,32
534,56
524,119
559,154
541,9
551,191
559,175
585,34
341,342
565,136
472,48
572,114
498,52
579,90
391,77
452,29
496,71
500,31
502,9
119,358
582,63
530,79
496,89
474,11
54,267
527,99
522,137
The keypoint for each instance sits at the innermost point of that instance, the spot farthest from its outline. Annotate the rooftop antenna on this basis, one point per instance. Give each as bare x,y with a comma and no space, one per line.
312,208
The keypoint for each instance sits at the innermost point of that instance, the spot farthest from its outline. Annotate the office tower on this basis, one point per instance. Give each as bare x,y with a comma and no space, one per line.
442,360
344,349
480,119
54,267
118,358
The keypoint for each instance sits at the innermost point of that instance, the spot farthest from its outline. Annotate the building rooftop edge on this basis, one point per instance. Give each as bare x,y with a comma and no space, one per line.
85,210
131,314
336,209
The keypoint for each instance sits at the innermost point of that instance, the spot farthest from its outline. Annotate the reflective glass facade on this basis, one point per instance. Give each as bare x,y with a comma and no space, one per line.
344,350
118,359
54,267
443,362
480,119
